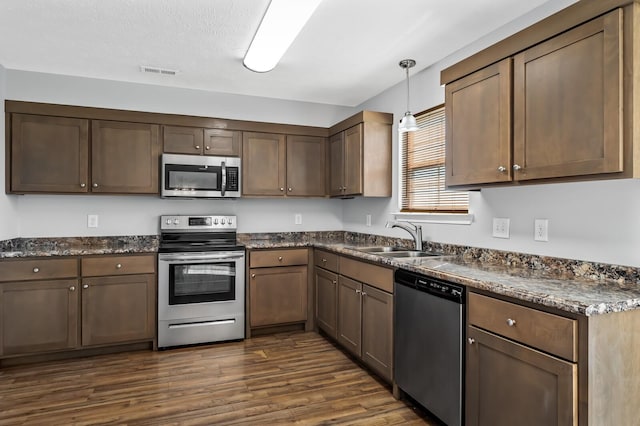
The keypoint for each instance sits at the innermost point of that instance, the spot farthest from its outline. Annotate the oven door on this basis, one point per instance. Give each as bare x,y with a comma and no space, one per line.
194,285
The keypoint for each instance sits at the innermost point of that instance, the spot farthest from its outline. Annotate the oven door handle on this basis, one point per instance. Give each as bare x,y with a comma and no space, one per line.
223,187
183,257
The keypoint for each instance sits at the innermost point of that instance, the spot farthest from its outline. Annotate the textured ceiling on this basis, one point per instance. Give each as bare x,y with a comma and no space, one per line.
347,53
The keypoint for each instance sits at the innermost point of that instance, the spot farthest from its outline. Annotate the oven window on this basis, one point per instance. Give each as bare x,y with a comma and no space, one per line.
192,177
202,282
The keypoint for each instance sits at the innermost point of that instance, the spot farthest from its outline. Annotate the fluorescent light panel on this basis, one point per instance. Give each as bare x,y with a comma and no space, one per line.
280,25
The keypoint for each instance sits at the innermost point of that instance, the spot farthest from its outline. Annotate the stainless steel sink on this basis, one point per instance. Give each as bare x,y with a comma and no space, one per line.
380,249
409,254
395,252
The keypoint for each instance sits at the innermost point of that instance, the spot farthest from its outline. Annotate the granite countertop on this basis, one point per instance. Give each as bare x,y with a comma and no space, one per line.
76,246
562,290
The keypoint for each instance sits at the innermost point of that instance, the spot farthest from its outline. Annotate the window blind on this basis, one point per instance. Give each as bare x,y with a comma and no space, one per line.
423,173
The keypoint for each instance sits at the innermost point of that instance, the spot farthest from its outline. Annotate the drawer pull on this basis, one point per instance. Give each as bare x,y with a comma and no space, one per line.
119,265
82,185
358,291
334,282
207,148
324,260
511,322
197,146
85,286
471,340
72,288
95,185
280,258
364,294
253,275
36,270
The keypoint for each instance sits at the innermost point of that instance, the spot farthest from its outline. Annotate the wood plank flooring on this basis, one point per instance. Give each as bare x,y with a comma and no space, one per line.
292,378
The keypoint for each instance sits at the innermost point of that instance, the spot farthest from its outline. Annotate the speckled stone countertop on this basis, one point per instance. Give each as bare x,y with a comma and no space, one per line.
572,286
75,246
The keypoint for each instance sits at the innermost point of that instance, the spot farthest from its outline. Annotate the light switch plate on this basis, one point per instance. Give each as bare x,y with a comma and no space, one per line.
501,227
92,221
298,219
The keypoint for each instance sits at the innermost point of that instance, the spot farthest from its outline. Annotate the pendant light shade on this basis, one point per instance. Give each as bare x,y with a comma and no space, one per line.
408,122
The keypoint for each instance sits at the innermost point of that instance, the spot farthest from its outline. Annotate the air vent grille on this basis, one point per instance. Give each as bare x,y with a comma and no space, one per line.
157,70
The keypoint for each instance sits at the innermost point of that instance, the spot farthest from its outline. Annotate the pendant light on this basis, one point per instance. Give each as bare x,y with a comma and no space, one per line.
408,122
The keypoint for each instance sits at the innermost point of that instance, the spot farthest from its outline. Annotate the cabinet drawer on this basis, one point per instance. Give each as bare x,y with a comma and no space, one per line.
118,265
373,275
267,258
39,269
326,260
548,332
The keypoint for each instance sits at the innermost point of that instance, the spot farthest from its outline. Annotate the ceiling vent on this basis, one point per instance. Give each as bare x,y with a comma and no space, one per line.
158,70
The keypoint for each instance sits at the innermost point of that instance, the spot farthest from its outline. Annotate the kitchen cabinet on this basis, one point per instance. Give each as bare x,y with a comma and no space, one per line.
326,297
365,313
124,157
521,364
118,299
562,99
278,287
283,165
48,154
360,156
46,307
199,141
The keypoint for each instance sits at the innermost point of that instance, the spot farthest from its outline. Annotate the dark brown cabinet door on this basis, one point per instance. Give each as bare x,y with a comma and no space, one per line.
377,330
278,295
222,142
38,316
336,166
182,140
478,128
306,166
568,103
118,309
350,315
327,301
508,383
124,157
353,150
49,154
263,164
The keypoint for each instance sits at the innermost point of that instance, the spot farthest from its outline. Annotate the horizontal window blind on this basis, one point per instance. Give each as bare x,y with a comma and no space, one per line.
423,170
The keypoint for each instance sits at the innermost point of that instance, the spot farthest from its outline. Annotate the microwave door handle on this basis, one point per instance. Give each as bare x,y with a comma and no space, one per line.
223,187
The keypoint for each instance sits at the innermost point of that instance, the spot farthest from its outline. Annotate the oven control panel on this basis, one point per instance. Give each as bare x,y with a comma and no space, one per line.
198,223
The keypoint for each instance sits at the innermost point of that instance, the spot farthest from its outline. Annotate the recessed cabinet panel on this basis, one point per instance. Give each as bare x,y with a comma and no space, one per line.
353,167
263,164
278,295
327,301
306,166
49,154
337,160
227,143
182,140
377,330
350,315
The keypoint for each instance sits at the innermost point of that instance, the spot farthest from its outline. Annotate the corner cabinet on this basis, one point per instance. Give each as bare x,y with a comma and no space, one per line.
283,165
51,154
360,156
564,101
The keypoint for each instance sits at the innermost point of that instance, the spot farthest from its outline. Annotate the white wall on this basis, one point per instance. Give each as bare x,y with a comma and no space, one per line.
595,221
9,224
61,216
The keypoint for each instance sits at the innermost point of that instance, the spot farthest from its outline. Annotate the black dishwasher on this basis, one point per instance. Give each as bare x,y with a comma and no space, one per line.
428,343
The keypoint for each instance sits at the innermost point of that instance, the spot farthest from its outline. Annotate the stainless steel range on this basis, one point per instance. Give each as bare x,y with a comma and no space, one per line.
200,280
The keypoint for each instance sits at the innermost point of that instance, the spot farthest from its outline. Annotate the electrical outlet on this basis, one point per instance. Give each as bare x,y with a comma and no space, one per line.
92,221
368,220
501,227
541,230
298,219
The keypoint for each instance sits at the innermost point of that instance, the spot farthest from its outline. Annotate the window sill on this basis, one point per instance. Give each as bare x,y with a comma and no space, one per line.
444,218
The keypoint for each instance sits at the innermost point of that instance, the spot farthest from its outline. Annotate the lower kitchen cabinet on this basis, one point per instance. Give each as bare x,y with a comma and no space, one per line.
38,316
350,315
377,330
118,309
278,287
327,301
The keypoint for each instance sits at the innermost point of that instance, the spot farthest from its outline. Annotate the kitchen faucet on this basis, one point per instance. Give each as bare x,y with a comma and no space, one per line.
413,229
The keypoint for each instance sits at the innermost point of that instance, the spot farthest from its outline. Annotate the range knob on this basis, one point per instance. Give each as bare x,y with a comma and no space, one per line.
229,221
168,221
176,221
215,221
222,220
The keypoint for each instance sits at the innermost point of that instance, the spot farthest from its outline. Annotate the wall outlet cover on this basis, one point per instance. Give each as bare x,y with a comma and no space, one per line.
92,221
298,219
541,230
501,227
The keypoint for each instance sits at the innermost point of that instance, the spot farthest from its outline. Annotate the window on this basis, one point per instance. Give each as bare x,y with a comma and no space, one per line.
423,168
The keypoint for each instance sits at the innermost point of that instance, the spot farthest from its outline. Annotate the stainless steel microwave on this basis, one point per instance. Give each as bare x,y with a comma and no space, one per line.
200,176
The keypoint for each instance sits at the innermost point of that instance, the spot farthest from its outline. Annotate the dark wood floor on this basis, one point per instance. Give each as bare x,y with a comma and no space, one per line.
295,378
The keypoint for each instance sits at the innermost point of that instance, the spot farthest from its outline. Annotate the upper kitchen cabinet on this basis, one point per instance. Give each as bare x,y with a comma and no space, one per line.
48,154
551,103
360,156
283,165
198,141
124,157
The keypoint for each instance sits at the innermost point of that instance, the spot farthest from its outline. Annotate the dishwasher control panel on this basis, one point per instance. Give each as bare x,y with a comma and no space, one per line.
431,285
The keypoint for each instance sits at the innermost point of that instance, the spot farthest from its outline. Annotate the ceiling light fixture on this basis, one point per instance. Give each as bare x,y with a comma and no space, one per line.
408,122
280,25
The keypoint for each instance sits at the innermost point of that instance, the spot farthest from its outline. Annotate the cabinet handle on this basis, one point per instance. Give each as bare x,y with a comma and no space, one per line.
364,294
95,185
334,282
85,286
207,148
119,265
280,258
358,291
82,185
324,260
502,169
253,275
511,322
290,189
36,270
72,288
471,340
516,167
281,189
197,146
